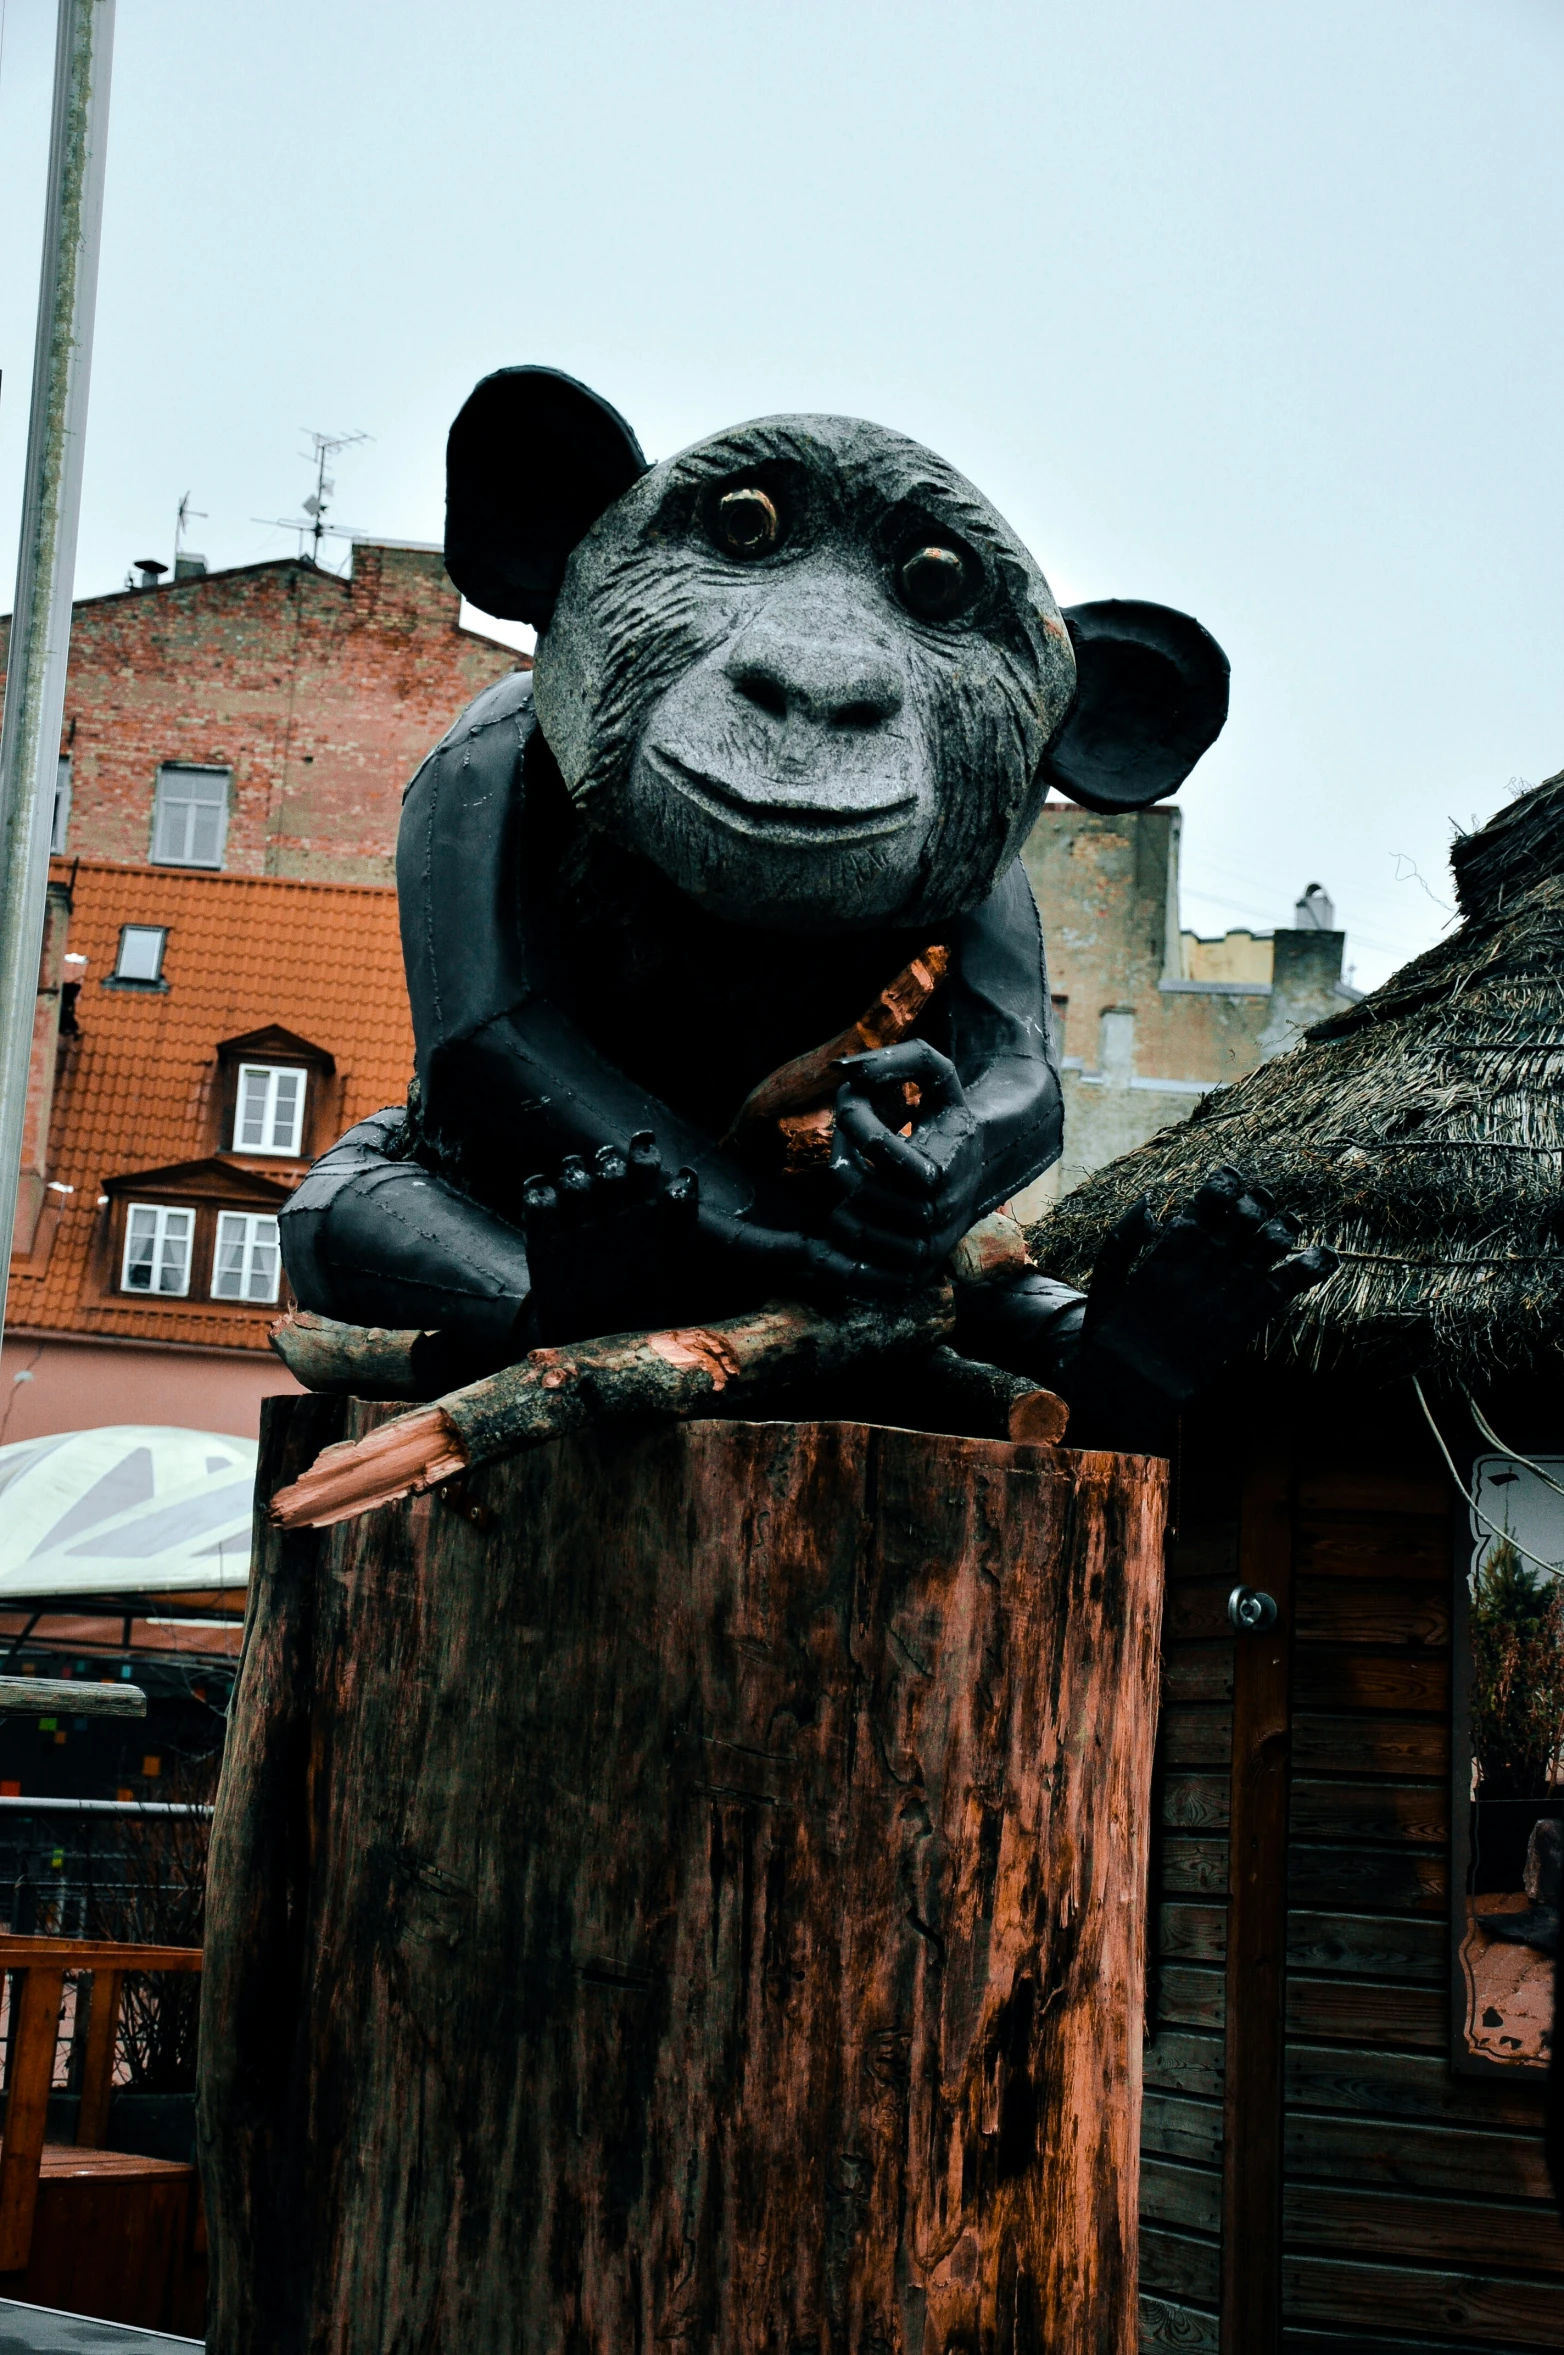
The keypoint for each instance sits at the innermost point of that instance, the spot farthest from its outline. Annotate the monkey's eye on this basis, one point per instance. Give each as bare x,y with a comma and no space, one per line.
747,522
934,582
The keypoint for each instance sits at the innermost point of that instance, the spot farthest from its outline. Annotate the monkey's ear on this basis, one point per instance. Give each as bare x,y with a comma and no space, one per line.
1150,698
532,461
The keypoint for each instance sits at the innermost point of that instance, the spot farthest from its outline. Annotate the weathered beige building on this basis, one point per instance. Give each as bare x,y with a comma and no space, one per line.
1150,1018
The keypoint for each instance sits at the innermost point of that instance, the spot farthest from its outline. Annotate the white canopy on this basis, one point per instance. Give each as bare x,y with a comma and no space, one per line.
136,1508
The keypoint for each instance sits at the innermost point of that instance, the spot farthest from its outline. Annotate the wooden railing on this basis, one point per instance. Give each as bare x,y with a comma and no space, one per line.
38,1967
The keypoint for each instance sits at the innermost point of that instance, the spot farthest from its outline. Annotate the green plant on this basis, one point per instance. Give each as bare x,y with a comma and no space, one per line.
1517,1632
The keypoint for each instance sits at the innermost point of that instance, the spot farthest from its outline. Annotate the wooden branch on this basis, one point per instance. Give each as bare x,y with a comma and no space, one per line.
811,1080
363,1361
994,1251
49,1696
960,1393
553,1391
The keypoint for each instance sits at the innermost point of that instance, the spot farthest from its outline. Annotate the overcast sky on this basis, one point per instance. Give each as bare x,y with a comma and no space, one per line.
1254,310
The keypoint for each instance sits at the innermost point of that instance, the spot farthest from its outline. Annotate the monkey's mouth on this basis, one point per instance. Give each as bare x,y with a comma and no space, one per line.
766,809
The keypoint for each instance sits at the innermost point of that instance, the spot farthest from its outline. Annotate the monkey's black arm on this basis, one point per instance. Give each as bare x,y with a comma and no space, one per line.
1000,1041
373,1239
494,1052
1169,1306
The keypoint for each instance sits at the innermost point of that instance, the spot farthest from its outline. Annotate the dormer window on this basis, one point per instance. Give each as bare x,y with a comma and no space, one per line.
196,1233
248,1262
157,1249
273,1096
269,1115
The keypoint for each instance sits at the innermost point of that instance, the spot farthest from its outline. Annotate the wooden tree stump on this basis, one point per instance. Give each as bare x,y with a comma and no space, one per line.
685,1890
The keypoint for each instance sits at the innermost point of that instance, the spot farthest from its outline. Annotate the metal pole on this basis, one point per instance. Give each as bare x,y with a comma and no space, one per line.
46,558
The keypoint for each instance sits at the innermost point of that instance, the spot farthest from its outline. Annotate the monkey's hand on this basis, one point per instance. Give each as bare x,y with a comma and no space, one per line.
910,1198
608,1244
780,1260
1169,1305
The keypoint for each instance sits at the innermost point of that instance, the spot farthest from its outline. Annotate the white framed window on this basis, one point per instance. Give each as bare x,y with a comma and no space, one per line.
247,1262
189,816
62,805
140,952
269,1115
157,1249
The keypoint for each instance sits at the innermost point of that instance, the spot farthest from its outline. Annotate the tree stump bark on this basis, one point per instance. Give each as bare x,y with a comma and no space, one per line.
685,1890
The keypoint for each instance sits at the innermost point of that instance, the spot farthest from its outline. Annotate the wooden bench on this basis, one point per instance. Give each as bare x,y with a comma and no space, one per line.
123,2218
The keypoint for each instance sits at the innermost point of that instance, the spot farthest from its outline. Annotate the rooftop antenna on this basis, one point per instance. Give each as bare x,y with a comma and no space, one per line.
186,511
316,529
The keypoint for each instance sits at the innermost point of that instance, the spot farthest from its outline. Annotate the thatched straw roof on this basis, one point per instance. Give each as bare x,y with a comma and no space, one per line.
1421,1132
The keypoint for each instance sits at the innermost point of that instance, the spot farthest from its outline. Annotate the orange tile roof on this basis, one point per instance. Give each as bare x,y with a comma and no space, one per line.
136,1087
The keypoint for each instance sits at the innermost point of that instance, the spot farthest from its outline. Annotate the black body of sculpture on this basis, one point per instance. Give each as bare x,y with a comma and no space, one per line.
799,694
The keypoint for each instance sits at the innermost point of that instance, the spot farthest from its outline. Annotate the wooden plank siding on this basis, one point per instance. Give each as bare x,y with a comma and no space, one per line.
1407,2207
1181,2127
1416,2213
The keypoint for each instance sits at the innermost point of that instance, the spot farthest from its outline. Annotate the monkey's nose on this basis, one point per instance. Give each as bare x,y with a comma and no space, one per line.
835,685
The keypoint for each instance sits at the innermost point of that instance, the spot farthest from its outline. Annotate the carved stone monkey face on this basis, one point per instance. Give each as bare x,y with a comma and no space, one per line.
804,668
810,674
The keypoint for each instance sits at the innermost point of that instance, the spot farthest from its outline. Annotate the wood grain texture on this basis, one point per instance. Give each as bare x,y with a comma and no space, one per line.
1199,1672
1180,2129
1373,1545
1179,2264
119,2237
1388,2085
688,1897
1463,2231
1194,1865
1257,1939
91,1954
1333,2342
1408,1882
1193,1998
1197,1736
1414,1612
1188,2198
1417,2158
1194,1933
1163,2323
1370,1745
97,2076
1368,1945
1362,2011
1326,1679
1196,1802
1185,2061
1461,2306
37,1995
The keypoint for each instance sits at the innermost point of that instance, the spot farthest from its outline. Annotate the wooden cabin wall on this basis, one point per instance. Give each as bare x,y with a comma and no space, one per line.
1316,2178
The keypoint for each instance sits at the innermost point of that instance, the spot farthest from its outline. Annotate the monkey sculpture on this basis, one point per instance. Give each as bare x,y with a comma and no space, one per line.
799,693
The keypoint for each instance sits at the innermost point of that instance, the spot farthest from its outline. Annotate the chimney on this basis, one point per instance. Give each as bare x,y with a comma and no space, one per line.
150,567
189,567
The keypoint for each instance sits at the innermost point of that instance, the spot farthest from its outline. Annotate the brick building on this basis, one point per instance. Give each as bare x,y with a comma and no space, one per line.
221,986
263,721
